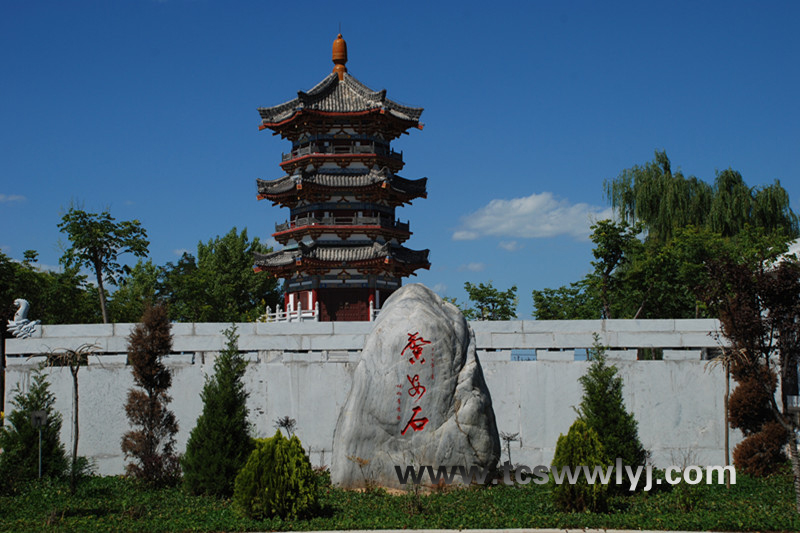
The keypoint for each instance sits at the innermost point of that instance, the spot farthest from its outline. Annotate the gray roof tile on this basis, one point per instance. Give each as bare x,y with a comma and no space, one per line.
342,253
344,179
345,96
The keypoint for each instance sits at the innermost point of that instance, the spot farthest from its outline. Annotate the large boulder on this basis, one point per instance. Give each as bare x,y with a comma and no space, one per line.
418,396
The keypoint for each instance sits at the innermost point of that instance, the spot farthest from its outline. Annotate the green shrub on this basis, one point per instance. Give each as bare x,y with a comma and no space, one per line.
580,446
19,440
603,409
277,480
220,442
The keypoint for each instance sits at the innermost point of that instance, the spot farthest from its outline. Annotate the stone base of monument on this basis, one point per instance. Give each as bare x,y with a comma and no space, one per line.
418,396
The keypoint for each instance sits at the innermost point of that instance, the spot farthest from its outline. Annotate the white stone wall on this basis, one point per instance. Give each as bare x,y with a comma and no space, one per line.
304,370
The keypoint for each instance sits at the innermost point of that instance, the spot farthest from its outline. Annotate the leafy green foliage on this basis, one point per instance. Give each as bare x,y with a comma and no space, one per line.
650,263
665,201
106,504
277,480
151,444
97,242
489,303
580,446
220,443
55,297
575,301
220,285
136,290
19,440
603,410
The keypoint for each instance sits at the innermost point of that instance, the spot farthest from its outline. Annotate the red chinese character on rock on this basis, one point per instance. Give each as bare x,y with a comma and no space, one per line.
415,344
416,388
417,424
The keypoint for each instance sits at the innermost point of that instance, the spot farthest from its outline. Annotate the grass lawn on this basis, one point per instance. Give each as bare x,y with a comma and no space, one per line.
119,504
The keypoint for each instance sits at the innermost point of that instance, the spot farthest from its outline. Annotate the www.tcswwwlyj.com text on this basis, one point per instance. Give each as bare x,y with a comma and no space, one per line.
522,475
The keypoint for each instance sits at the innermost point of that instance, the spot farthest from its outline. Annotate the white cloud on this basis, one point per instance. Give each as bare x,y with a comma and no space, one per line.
440,289
530,217
180,251
462,235
509,246
11,198
472,267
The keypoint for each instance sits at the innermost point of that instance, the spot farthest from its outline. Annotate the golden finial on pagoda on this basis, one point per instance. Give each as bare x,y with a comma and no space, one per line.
339,56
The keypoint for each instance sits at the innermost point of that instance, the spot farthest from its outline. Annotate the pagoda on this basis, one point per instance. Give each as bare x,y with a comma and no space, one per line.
343,252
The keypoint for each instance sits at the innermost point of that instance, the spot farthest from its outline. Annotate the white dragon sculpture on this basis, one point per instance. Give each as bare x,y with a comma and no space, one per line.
21,327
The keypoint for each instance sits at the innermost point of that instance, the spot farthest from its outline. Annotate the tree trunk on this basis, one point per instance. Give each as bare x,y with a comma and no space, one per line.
73,472
727,424
98,269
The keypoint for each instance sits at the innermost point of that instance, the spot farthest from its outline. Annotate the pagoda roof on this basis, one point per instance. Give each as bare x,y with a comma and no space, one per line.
333,95
348,178
352,255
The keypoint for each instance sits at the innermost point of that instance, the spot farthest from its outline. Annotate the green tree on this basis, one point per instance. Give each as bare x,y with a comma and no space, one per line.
220,442
151,444
135,292
664,201
97,242
615,246
489,303
220,285
602,408
55,297
575,301
19,440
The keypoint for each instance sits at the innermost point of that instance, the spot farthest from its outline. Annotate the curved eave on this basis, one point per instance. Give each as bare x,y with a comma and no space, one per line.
310,263
409,123
283,236
392,163
385,189
391,193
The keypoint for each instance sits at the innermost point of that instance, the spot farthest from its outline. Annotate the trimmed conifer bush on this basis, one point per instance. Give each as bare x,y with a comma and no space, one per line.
580,446
748,405
277,480
151,442
220,443
603,409
19,440
761,453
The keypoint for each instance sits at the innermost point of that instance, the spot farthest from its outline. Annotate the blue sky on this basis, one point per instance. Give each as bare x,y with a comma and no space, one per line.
149,108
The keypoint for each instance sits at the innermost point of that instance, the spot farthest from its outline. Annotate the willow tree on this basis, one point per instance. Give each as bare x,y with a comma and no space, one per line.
664,201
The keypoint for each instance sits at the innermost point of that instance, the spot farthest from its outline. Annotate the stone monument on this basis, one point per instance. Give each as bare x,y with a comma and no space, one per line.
418,396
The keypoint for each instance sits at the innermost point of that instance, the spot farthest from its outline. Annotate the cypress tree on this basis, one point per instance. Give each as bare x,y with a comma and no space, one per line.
603,409
220,443
151,444
19,440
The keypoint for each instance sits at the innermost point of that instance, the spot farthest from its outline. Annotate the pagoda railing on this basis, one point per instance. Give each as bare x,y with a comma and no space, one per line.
345,149
343,221
303,315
